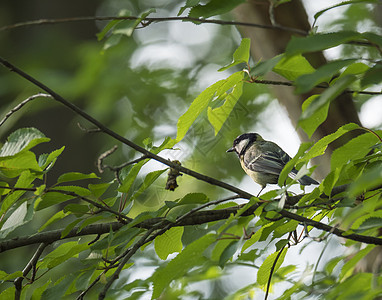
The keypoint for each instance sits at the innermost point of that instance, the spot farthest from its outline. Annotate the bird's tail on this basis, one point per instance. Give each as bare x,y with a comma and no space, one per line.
304,180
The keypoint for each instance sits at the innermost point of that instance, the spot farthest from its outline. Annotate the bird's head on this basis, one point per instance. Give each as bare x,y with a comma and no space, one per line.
242,142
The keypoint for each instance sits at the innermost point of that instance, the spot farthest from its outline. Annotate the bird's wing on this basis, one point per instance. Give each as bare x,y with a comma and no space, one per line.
268,158
266,162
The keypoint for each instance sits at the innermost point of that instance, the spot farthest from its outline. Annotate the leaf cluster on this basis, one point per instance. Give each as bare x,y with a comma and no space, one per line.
106,234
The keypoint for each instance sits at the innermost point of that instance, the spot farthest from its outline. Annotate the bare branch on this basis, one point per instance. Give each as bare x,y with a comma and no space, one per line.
100,159
184,170
120,138
130,253
21,104
120,216
193,218
147,21
289,83
31,265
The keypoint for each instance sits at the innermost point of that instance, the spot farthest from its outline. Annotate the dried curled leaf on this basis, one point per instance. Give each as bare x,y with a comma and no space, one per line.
171,183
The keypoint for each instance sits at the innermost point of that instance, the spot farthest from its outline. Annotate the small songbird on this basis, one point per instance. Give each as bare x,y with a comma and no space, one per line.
263,160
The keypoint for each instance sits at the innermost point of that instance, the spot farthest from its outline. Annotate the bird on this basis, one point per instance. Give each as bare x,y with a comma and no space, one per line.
263,160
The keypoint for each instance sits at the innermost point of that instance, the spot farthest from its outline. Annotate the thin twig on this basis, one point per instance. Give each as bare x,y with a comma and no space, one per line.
120,138
100,159
148,20
273,269
192,211
94,282
70,193
92,130
182,169
31,265
318,261
288,83
21,104
132,251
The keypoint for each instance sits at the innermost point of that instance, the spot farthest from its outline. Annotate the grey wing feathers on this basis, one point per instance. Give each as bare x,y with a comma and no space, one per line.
271,162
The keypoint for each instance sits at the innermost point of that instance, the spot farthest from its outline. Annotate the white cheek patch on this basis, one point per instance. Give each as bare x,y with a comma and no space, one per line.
241,145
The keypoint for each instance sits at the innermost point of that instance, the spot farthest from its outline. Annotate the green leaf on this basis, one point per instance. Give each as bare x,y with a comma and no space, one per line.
22,140
348,267
48,160
8,293
372,76
201,102
213,8
69,227
16,219
305,83
218,116
255,237
3,188
112,41
58,290
194,198
56,217
241,55
355,69
149,180
290,164
310,124
373,37
319,42
329,267
356,148
190,257
24,181
127,27
318,14
80,191
369,221
52,198
13,166
228,252
330,180
189,4
327,96
109,26
37,293
7,277
265,269
293,67
281,244
367,181
77,209
61,254
285,228
99,189
129,179
169,242
91,220
264,67
74,176
320,147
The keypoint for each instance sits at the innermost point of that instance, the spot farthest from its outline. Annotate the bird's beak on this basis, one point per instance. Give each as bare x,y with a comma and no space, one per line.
231,149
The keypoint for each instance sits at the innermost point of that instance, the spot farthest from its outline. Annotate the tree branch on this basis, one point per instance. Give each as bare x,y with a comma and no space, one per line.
21,104
210,180
197,218
148,20
31,264
288,83
123,262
